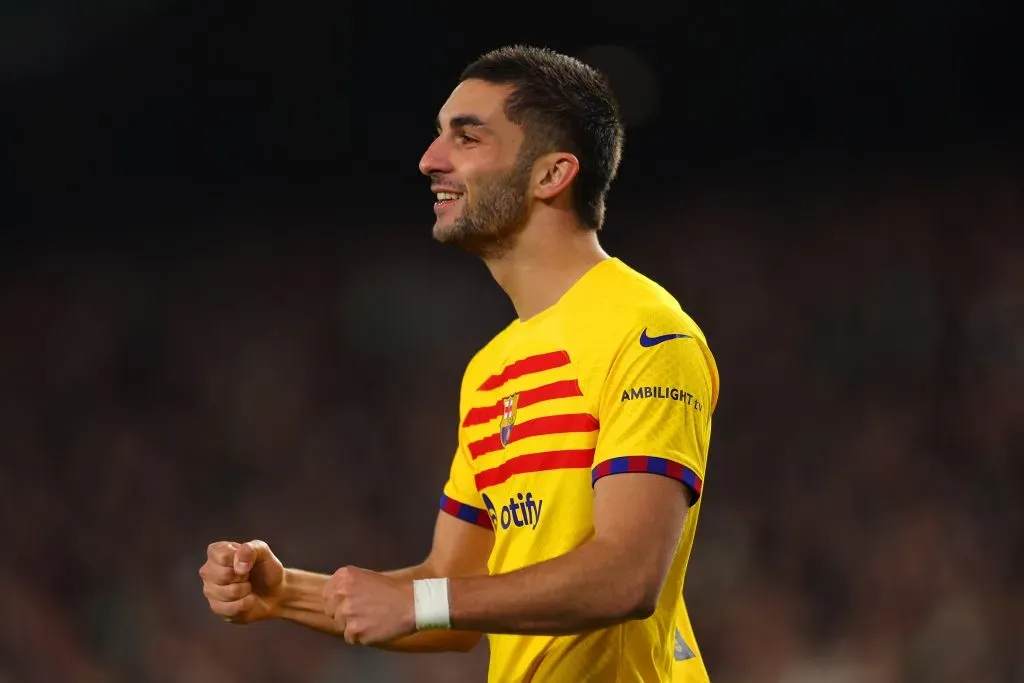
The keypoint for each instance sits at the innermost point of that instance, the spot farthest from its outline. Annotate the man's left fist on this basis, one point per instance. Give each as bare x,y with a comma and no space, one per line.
368,607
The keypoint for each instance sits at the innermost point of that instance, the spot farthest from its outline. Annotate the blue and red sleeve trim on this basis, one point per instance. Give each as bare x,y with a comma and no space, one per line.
651,465
467,513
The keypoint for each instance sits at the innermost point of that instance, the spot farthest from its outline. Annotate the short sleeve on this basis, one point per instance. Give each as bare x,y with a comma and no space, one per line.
655,405
460,497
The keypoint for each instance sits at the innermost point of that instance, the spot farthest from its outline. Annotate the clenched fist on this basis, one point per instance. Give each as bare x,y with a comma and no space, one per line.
242,581
369,608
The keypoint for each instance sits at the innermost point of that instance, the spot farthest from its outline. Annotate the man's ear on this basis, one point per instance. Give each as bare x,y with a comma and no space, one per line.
553,173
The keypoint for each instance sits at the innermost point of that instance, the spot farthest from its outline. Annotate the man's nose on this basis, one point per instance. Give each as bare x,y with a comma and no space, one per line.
435,159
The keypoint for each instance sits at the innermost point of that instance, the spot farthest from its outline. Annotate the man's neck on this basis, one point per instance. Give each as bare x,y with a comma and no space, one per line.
543,265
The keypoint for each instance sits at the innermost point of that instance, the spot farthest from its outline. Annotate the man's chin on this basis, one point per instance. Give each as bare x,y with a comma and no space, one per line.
446,231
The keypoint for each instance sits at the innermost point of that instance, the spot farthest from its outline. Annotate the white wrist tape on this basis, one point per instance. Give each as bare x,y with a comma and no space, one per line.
430,598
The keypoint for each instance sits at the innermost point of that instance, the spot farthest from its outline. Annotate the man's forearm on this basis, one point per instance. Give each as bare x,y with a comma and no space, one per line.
590,587
303,603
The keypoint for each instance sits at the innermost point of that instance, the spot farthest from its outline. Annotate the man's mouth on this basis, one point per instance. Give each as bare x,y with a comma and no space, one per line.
445,199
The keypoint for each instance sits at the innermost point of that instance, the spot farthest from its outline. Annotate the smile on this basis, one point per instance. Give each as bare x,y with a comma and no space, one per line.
445,199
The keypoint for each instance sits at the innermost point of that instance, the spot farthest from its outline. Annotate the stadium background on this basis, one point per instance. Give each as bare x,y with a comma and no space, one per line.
223,317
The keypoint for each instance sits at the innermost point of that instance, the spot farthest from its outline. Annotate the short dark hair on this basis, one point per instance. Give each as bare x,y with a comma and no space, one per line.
562,105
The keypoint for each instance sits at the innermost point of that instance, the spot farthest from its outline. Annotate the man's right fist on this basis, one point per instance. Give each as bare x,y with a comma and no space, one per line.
242,581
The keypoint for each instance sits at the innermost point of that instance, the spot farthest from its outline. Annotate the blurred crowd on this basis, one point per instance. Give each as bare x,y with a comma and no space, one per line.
862,519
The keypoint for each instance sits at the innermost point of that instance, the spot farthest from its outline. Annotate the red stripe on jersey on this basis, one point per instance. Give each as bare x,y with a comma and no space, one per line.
526,366
539,426
565,389
535,462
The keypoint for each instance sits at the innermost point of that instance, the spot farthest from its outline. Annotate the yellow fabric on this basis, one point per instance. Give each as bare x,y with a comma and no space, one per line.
551,404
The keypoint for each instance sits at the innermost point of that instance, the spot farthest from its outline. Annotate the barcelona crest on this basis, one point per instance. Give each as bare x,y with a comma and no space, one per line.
508,417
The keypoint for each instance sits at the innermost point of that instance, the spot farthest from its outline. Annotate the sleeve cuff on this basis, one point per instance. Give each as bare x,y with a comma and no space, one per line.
467,513
651,465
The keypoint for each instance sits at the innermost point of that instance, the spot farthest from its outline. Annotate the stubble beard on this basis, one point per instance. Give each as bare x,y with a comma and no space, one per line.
489,226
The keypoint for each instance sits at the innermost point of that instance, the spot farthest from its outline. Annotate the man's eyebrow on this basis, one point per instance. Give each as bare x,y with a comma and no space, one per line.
461,121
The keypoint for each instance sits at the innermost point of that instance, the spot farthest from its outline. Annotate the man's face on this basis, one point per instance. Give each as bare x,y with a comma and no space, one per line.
479,178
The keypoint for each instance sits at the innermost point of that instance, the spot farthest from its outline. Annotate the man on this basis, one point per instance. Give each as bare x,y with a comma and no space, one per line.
569,514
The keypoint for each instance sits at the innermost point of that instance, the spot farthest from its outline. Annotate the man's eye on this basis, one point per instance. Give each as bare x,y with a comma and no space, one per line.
466,139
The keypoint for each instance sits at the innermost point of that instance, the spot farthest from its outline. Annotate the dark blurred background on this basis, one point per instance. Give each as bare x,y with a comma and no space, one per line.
223,316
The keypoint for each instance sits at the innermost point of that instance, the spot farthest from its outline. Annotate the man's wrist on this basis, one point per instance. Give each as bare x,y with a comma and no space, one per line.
431,604
299,591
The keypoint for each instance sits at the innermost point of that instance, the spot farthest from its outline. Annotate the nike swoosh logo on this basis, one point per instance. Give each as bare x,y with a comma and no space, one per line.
648,342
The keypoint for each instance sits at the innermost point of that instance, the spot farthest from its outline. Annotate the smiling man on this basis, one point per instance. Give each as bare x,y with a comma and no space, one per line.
569,514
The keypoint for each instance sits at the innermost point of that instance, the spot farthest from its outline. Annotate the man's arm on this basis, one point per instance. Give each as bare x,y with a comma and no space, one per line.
639,516
615,577
459,549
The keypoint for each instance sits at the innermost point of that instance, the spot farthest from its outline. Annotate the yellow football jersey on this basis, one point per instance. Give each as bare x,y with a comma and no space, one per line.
613,378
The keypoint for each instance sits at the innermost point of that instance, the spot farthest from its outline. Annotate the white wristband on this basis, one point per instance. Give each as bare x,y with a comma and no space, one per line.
430,597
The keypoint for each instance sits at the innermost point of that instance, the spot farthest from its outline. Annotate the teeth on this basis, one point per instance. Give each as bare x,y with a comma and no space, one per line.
443,196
